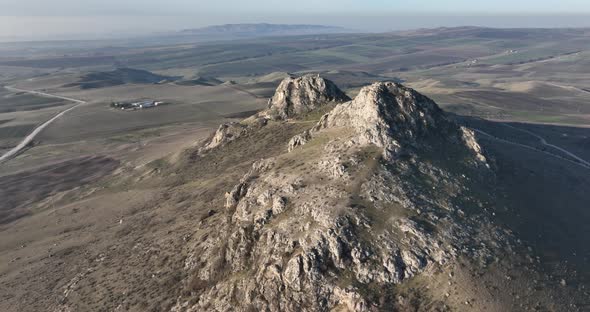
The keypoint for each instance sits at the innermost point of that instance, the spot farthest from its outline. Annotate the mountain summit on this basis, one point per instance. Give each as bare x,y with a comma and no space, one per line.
389,115
369,197
320,203
296,96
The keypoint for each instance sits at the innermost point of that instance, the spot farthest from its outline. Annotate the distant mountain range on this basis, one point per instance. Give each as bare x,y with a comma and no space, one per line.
261,30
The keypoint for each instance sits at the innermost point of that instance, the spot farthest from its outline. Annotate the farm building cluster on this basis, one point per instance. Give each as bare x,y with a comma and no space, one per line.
136,105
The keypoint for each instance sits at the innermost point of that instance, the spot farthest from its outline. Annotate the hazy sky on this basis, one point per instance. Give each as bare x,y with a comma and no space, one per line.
158,7
95,18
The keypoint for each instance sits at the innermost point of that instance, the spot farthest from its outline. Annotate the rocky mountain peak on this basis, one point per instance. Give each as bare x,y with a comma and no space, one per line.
387,113
314,228
395,118
296,96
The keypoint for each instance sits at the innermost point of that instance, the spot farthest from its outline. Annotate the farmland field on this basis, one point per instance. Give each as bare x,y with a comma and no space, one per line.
501,74
19,102
184,104
21,112
190,113
519,75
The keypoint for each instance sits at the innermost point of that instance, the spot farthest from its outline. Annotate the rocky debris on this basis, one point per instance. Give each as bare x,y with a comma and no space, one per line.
240,190
353,214
296,96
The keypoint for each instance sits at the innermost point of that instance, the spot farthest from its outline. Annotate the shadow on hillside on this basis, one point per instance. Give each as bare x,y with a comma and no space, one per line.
20,191
544,199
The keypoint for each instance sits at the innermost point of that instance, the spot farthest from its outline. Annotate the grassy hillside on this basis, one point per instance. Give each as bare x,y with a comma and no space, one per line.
128,231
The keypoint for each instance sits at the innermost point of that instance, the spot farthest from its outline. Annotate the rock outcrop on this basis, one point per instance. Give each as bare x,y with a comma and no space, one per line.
393,116
300,139
231,131
388,115
296,96
293,97
364,200
227,132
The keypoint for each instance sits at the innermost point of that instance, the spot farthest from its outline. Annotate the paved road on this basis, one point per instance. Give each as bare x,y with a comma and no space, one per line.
29,138
581,164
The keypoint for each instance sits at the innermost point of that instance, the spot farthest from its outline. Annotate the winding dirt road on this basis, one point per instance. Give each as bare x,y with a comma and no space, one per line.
29,138
580,162
544,142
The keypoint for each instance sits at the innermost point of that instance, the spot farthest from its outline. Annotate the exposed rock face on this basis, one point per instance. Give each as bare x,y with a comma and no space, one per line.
231,131
296,96
387,115
468,137
366,199
293,97
225,133
299,140
390,116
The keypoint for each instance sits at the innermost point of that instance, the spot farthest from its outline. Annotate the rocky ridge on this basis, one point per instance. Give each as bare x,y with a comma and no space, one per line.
372,195
226,132
293,97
